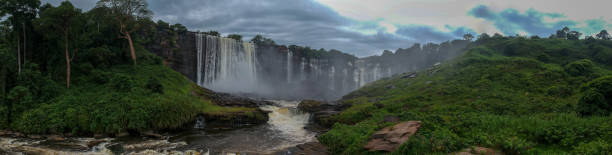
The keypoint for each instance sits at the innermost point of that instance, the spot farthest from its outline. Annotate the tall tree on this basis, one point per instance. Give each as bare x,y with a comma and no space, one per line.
573,35
21,12
127,12
563,33
64,19
468,37
604,35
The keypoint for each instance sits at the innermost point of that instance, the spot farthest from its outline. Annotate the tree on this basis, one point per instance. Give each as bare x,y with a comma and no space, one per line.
213,33
603,35
64,20
235,37
22,12
127,13
484,36
573,35
468,37
563,33
260,40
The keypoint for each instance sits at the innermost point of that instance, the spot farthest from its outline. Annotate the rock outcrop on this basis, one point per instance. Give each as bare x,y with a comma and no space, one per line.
390,138
478,151
321,113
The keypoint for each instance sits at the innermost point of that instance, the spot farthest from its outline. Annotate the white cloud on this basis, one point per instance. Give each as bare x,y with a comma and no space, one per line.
438,13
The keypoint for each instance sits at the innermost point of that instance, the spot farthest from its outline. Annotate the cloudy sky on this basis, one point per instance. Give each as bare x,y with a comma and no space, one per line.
367,27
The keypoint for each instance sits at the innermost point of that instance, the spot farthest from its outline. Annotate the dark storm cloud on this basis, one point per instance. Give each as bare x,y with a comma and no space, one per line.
511,21
299,22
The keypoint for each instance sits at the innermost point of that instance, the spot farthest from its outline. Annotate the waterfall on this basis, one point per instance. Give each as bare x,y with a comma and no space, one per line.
225,64
302,70
199,48
289,66
331,75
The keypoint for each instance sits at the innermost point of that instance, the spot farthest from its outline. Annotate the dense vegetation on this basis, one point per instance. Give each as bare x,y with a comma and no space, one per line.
514,94
67,71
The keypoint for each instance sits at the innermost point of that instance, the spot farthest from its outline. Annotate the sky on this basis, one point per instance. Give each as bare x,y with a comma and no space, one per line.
367,27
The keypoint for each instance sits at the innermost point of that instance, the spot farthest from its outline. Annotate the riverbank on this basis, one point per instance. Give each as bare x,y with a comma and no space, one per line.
285,130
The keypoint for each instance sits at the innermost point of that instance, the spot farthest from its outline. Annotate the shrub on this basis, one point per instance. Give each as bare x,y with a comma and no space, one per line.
4,117
21,99
580,68
122,82
516,145
155,86
593,148
597,97
100,77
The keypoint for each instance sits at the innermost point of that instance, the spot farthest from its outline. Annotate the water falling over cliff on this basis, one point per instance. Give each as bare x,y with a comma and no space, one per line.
225,64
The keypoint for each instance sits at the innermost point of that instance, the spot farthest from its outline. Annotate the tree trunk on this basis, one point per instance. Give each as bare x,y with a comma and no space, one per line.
129,38
18,56
67,61
24,42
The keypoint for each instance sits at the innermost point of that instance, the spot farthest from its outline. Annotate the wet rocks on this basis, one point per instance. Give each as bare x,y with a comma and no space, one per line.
95,142
478,151
152,134
390,138
55,138
321,113
409,75
312,106
7,133
231,120
310,148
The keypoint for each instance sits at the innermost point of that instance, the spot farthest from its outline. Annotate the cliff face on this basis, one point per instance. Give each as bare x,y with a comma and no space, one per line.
292,72
182,57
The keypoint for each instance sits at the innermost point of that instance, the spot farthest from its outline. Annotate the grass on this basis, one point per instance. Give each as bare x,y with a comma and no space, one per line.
147,96
516,95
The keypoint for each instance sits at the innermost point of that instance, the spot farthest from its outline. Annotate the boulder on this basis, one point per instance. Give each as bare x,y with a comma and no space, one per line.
390,138
313,106
409,75
152,134
478,151
310,148
55,138
95,142
35,136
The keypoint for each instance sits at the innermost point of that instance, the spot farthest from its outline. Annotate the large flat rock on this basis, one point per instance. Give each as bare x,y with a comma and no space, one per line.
390,138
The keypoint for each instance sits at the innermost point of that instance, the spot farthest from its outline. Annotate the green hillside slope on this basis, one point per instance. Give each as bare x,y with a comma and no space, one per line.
517,95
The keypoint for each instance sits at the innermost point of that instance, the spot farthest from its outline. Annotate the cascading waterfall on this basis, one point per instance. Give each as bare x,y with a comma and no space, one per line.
225,64
289,66
332,73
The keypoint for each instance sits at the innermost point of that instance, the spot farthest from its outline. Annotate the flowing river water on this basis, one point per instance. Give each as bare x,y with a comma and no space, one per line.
284,129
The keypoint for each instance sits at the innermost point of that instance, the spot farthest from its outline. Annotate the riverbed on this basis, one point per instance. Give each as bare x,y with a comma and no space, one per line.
284,129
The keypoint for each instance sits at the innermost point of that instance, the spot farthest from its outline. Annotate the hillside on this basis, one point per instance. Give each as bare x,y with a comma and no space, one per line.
81,81
517,95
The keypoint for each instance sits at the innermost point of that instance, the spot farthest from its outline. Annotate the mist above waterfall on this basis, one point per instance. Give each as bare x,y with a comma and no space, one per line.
264,69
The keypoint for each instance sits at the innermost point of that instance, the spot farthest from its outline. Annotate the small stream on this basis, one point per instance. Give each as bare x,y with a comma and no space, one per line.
284,129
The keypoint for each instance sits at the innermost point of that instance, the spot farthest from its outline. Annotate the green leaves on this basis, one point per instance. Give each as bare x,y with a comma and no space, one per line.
597,97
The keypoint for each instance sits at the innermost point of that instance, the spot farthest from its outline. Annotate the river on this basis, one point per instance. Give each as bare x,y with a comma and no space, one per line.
284,129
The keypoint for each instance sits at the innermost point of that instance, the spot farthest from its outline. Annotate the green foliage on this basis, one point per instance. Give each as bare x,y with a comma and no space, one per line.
516,95
580,68
122,82
597,97
235,37
154,85
593,148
